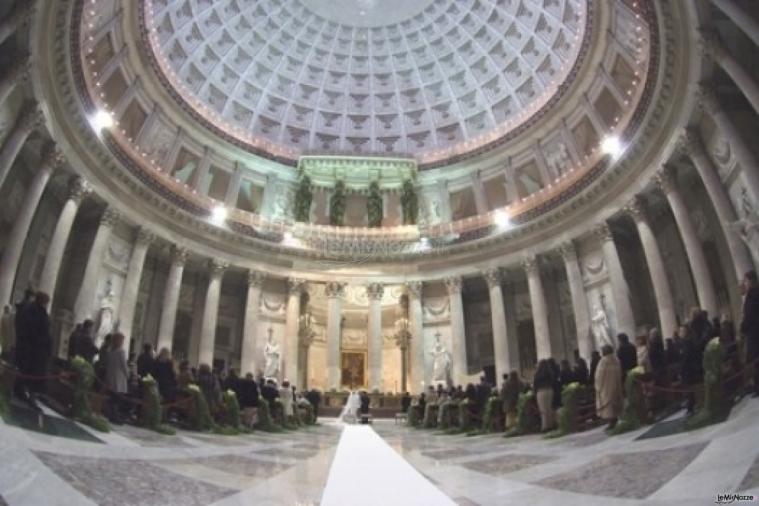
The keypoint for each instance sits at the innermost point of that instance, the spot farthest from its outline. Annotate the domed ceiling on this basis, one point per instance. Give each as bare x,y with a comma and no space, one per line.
432,79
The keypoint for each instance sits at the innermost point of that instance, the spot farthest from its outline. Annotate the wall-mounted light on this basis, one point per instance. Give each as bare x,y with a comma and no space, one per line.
219,215
101,120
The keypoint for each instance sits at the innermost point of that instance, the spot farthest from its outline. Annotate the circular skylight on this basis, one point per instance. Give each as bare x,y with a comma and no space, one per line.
432,79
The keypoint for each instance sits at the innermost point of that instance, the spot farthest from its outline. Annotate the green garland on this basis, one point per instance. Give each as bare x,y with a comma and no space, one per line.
465,417
567,413
231,409
84,376
414,415
493,406
374,205
430,416
409,203
527,420
310,414
200,417
151,412
447,416
630,419
715,404
265,422
303,197
337,205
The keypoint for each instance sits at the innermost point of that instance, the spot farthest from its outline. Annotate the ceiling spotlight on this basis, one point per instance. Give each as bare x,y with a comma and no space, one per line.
101,120
611,146
219,215
502,220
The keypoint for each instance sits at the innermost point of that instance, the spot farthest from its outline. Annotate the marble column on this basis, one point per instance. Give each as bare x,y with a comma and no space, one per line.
656,267
724,59
505,349
416,323
211,312
171,298
295,289
29,119
539,308
579,301
17,72
619,289
374,332
85,300
17,16
132,283
727,129
54,256
692,145
251,358
701,277
15,241
459,365
334,292
744,20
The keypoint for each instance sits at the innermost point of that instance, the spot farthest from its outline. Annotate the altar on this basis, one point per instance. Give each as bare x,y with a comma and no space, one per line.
380,405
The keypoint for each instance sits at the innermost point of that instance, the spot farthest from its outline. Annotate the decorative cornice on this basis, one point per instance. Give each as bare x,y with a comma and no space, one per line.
375,291
493,276
334,290
256,278
453,284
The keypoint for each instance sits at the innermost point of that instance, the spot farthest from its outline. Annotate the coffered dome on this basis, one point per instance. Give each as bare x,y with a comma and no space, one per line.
432,79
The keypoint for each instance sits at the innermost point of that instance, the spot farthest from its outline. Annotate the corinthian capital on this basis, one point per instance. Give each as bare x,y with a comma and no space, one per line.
453,284
256,278
665,179
530,264
334,290
78,188
30,118
710,44
295,286
415,288
603,232
494,277
179,255
375,291
636,208
568,251
53,156
707,99
110,217
145,236
217,267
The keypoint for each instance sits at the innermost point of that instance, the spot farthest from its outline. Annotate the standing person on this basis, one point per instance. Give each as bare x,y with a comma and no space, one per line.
542,384
315,398
7,335
750,323
145,361
510,391
556,377
209,385
691,366
286,397
566,374
641,354
608,383
595,358
163,372
627,354
185,376
34,347
116,375
81,342
248,400
581,369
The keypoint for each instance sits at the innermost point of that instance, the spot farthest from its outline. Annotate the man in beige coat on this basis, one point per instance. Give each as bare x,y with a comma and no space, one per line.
608,383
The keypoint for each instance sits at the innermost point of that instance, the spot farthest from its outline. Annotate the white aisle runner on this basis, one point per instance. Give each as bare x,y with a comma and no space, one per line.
367,472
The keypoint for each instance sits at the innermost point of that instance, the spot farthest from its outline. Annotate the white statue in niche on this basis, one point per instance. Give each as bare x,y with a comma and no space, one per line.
441,362
600,325
272,357
105,314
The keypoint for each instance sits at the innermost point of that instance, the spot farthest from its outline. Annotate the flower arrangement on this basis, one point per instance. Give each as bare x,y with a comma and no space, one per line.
265,422
567,413
715,405
528,420
231,409
84,376
491,422
200,416
430,416
630,419
152,413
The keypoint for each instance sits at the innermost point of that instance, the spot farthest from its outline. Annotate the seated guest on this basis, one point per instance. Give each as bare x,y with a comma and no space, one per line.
145,360
248,399
556,375
163,373
543,385
444,399
210,387
431,395
185,376
580,369
510,391
116,375
405,402
608,383
315,399
422,402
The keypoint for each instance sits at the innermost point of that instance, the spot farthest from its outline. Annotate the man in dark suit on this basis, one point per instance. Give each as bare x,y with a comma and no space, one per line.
750,322
364,406
627,355
34,347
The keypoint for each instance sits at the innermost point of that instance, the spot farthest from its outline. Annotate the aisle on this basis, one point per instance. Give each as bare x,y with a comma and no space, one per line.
367,472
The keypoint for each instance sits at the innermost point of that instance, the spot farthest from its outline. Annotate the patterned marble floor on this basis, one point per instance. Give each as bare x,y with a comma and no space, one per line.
132,466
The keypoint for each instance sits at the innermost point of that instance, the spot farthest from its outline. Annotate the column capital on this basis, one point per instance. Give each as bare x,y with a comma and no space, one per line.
375,291
145,236
110,217
30,118
666,179
52,156
710,44
20,67
256,278
334,290
603,232
530,264
295,285
217,267
78,188
179,255
414,288
636,208
707,99
568,250
453,284
493,276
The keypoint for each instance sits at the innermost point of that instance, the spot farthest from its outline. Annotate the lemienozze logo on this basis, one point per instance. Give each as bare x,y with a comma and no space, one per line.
732,498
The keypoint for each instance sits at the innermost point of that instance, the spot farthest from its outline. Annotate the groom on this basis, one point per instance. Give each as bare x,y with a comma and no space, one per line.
364,410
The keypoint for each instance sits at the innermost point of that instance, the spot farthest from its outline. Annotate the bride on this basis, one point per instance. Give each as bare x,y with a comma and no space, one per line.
350,411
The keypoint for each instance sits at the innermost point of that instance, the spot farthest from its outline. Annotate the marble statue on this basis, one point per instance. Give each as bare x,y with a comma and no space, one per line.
105,314
272,357
599,325
441,362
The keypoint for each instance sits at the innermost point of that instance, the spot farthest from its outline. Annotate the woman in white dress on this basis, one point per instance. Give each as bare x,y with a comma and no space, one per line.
350,410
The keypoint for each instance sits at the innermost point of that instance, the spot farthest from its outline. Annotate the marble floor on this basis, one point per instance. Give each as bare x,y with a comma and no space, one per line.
72,465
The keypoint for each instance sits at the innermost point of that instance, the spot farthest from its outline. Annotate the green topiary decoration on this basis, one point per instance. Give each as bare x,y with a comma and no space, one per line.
567,413
528,420
303,197
310,418
337,205
265,422
200,417
231,409
465,417
490,422
630,419
414,415
374,205
715,405
84,376
450,411
151,413
430,416
409,203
